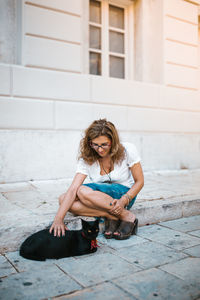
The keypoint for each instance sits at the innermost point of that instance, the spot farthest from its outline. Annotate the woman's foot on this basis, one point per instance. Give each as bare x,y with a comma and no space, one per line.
110,228
127,216
126,229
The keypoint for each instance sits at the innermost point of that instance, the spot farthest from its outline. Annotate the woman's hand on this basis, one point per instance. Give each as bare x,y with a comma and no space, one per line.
117,207
58,227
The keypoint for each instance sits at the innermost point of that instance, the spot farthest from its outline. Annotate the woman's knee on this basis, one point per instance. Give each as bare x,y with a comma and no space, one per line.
61,198
83,194
75,208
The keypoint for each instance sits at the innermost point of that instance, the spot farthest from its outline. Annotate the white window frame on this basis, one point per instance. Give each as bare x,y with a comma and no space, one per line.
199,45
128,7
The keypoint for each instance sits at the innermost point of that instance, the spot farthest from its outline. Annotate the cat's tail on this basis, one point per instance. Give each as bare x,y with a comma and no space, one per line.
27,252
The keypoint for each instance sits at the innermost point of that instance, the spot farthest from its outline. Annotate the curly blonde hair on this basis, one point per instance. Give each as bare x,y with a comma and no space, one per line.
101,127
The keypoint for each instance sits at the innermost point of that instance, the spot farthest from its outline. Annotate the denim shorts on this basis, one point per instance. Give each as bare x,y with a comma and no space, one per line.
115,190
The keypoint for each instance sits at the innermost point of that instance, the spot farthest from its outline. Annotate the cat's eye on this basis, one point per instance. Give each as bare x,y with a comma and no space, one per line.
89,231
97,230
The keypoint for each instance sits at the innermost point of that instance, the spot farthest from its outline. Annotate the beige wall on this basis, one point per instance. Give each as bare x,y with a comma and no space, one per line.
8,32
199,51
149,41
46,103
52,35
166,42
181,44
43,114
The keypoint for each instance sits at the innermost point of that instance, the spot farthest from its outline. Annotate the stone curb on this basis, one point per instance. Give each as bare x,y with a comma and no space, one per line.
168,209
167,195
150,212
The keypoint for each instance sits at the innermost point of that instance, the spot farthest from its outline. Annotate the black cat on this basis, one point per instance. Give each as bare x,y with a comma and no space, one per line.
42,244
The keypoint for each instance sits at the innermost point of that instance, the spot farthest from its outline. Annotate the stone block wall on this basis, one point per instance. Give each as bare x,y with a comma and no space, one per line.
47,100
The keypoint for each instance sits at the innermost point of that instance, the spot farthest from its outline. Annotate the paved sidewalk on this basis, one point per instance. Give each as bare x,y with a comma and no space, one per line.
27,207
161,262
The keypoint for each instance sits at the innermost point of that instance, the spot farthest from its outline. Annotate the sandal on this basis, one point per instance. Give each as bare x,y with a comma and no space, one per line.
126,229
110,228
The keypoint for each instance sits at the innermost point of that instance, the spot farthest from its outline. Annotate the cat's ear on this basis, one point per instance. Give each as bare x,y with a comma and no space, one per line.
83,222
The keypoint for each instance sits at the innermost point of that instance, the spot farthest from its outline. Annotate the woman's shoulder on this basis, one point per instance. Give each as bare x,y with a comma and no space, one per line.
132,154
81,161
84,168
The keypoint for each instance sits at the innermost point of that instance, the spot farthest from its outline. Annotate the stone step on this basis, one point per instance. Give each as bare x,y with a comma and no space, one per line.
155,211
31,206
19,225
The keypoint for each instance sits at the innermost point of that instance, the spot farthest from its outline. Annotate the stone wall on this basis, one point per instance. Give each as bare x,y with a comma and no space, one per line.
43,115
47,100
8,32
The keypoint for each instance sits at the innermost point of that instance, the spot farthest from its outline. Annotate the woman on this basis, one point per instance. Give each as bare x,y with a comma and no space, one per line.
116,175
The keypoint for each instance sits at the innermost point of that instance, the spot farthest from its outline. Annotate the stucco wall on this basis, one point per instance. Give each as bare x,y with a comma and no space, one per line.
8,31
53,35
43,114
181,44
149,41
47,102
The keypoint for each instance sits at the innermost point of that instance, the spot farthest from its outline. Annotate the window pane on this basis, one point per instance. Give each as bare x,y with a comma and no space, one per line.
116,41
95,37
116,17
95,63
95,11
116,67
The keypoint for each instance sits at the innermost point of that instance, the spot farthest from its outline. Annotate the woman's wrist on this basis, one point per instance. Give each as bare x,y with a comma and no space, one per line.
124,200
58,219
128,198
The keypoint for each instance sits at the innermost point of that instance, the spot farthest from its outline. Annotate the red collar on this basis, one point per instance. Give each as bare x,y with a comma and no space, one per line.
93,242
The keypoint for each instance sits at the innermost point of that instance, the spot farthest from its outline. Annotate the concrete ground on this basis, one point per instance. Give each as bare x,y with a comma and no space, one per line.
161,262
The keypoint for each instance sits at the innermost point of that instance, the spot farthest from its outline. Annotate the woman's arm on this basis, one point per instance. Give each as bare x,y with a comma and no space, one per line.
58,225
138,176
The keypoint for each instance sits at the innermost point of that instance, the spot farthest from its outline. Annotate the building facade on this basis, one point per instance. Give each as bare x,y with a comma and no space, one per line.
65,63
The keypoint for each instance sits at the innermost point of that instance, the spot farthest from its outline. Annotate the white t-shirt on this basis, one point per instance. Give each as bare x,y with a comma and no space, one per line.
121,173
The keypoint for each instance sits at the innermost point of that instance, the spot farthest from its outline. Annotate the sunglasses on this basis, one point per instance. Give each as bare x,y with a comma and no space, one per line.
96,147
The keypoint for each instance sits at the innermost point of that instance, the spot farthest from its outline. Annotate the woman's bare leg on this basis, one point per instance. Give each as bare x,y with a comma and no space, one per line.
78,208
101,201
94,199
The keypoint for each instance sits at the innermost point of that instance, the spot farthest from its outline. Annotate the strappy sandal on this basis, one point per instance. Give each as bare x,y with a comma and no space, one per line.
110,228
126,229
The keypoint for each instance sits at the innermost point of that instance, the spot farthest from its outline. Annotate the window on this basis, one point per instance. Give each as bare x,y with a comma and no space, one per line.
108,39
95,45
